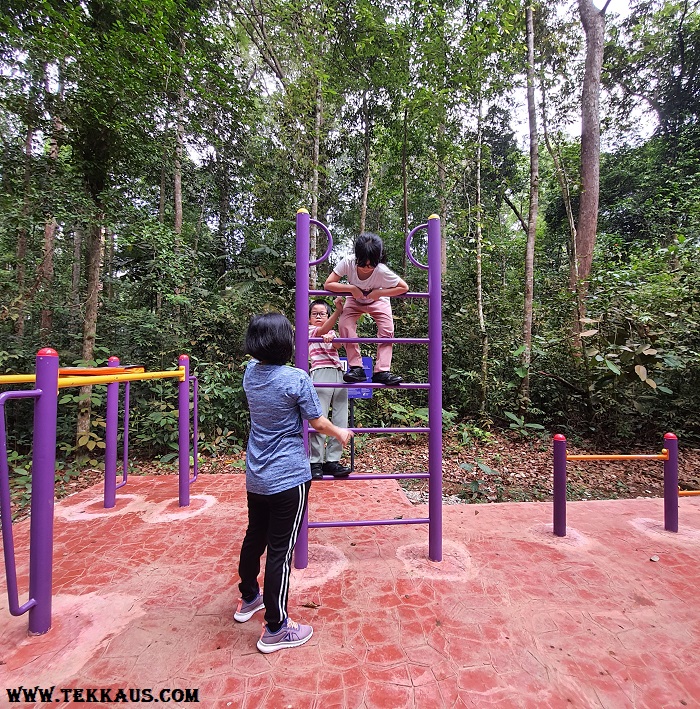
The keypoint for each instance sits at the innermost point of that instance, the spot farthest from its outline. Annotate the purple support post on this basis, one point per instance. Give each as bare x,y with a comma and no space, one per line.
301,352
43,487
435,393
183,431
559,507
671,483
111,430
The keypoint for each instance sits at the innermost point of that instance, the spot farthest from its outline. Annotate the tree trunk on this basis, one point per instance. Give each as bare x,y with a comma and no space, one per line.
177,177
75,275
93,269
483,404
593,21
366,164
524,394
404,182
442,186
23,233
45,277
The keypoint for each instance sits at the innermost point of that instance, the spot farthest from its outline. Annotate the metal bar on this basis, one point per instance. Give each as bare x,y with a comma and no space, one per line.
368,523
671,483
43,491
661,456
17,378
378,340
435,392
195,428
8,544
125,440
301,352
111,432
559,506
316,293
688,493
81,381
385,430
382,476
367,385
183,431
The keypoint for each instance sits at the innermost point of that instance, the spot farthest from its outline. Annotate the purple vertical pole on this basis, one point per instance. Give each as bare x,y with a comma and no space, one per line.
183,432
301,352
559,507
43,485
111,429
435,392
671,483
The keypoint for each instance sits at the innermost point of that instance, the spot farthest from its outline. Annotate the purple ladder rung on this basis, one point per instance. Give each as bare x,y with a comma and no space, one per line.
365,385
397,429
314,293
378,340
382,476
368,523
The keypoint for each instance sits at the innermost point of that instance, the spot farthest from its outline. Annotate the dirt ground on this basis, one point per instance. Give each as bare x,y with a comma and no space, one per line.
506,468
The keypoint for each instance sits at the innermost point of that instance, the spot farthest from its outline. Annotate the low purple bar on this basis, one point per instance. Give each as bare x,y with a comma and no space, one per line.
378,340
671,483
559,507
315,293
8,544
368,523
382,476
384,430
368,385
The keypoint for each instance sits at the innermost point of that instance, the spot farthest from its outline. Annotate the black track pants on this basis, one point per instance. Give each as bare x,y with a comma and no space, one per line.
273,523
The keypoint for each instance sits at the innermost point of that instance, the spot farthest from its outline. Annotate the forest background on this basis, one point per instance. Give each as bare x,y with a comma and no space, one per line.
154,155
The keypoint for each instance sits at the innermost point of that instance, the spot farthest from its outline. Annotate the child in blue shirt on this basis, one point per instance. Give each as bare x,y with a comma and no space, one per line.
278,476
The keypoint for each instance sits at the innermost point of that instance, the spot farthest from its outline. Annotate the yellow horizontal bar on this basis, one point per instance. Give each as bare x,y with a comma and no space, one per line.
688,493
64,382
17,378
662,456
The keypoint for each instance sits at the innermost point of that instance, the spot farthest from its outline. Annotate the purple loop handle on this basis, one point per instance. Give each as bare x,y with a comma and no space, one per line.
125,426
325,229
195,428
408,247
6,507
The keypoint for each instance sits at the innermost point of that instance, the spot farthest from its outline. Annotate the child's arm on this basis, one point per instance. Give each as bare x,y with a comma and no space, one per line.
324,426
332,320
399,289
334,285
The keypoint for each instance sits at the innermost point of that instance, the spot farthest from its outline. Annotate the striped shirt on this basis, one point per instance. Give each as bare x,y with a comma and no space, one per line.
322,354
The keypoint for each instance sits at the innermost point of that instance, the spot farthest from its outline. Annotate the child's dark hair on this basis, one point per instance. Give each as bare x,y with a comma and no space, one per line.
369,250
320,301
270,338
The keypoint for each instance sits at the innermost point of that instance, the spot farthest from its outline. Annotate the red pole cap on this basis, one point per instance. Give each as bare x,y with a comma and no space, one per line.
47,352
559,437
182,357
113,359
672,436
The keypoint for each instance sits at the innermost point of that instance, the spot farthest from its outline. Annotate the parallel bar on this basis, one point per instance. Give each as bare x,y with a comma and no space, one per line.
369,523
384,430
82,381
366,385
688,493
662,456
382,476
316,293
378,340
17,378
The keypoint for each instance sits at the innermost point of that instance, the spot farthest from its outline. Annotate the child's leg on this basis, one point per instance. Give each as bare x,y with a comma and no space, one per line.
347,327
339,416
317,440
253,546
286,515
380,310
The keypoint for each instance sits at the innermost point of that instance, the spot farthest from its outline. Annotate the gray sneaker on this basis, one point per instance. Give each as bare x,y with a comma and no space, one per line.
246,610
291,634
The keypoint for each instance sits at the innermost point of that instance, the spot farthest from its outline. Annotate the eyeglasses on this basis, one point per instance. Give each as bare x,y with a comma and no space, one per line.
319,315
